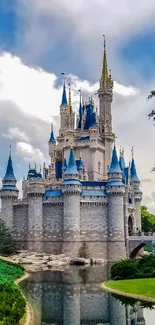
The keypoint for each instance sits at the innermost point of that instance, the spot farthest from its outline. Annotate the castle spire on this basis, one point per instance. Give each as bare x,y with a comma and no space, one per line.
114,167
64,96
52,139
9,175
80,111
70,99
105,65
134,177
71,167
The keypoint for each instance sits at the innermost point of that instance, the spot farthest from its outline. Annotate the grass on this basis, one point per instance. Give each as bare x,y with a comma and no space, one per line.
141,287
10,271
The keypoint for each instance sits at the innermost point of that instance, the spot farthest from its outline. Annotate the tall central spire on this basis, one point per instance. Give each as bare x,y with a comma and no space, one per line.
105,65
70,100
64,96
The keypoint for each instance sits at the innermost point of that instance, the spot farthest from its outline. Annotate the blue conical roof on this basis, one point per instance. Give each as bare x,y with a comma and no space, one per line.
64,165
71,168
52,139
64,96
80,115
93,119
114,167
133,172
9,175
122,163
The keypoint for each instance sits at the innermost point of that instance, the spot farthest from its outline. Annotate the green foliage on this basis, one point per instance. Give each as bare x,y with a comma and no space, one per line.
12,302
6,241
134,269
12,306
148,220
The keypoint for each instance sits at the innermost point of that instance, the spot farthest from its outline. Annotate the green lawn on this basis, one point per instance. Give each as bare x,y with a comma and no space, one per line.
141,287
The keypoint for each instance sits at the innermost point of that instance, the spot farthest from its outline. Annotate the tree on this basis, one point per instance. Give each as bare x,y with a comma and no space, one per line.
6,241
148,220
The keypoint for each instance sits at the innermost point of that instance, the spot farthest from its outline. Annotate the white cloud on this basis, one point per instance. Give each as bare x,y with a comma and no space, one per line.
29,153
17,134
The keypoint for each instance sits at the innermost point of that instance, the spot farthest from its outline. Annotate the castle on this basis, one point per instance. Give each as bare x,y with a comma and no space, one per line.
87,202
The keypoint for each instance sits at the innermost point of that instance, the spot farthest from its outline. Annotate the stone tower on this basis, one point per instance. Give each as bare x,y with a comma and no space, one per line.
35,193
105,94
135,182
71,189
115,191
8,194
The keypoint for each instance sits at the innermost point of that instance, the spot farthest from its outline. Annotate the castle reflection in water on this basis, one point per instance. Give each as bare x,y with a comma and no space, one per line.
75,297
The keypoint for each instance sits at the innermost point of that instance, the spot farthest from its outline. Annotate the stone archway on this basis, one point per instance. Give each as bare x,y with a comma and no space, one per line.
136,250
130,226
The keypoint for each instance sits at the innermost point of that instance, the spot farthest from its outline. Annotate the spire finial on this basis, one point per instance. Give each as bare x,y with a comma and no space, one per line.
35,166
120,151
10,151
29,165
105,65
70,99
123,152
64,97
51,126
132,152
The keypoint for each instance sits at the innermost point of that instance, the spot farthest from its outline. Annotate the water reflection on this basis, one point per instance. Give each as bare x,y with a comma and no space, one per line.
75,297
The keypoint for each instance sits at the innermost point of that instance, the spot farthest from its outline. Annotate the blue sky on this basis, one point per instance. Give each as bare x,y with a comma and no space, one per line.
43,38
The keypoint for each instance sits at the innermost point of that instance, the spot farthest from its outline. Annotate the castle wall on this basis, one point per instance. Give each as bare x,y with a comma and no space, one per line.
35,223
93,220
20,225
53,227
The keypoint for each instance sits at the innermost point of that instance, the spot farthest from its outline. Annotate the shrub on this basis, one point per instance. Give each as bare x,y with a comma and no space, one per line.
133,269
6,241
12,306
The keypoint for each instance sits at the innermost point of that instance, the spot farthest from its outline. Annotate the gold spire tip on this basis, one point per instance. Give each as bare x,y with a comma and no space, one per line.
123,152
120,151
70,99
105,65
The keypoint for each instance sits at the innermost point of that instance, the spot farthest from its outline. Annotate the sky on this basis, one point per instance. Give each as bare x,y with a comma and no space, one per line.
40,39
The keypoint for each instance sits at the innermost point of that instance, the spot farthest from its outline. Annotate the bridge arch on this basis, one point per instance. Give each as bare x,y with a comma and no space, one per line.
135,251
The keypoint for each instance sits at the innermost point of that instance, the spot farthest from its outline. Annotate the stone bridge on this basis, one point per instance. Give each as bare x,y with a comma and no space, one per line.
137,242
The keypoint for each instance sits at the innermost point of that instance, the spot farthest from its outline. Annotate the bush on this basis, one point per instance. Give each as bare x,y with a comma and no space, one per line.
134,269
12,304
6,241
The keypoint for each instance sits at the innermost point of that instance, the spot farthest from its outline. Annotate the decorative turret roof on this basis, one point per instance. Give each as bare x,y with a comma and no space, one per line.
93,119
79,164
32,173
133,172
71,168
52,139
114,167
90,119
64,165
80,113
64,96
9,175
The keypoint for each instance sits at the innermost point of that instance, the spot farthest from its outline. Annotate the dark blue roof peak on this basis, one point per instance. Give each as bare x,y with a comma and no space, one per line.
80,113
133,172
9,175
71,168
114,167
52,139
64,96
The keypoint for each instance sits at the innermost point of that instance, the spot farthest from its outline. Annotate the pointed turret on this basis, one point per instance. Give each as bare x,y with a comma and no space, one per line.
64,165
133,172
80,113
114,167
71,168
9,175
70,100
64,96
52,138
105,75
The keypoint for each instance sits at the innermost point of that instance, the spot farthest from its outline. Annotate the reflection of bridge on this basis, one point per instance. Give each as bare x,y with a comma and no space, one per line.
136,242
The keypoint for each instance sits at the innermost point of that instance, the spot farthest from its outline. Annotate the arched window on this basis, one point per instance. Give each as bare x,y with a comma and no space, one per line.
130,226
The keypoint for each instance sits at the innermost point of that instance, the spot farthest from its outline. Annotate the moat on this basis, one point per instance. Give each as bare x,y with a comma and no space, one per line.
74,297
